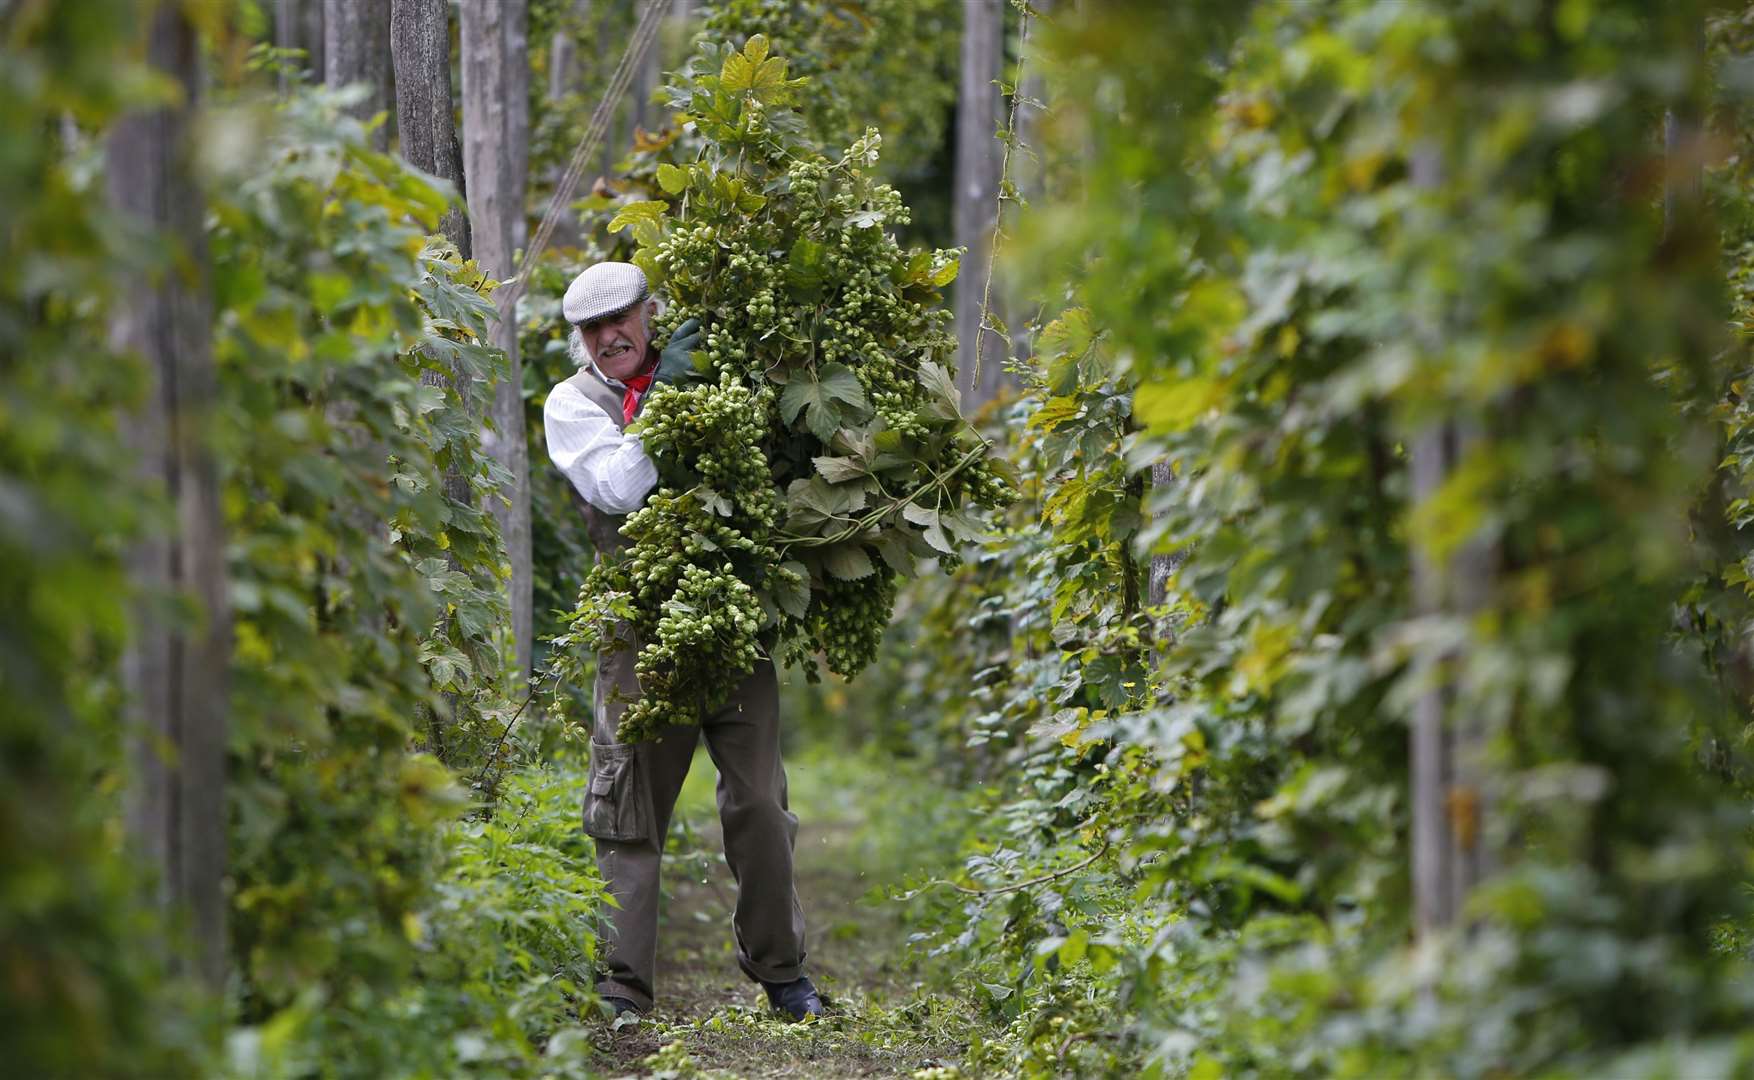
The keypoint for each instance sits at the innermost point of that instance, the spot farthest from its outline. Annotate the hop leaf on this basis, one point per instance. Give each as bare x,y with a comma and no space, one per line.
790,585
816,398
848,562
636,213
672,179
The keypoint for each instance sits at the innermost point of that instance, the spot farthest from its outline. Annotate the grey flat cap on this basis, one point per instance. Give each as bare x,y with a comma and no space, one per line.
607,288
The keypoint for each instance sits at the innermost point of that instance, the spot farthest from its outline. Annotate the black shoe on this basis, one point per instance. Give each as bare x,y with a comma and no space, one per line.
798,999
620,1005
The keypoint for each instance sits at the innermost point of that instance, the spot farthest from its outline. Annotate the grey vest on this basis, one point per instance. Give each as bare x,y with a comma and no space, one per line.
603,529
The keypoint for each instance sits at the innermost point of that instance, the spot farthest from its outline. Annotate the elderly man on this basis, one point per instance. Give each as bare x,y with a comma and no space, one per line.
633,788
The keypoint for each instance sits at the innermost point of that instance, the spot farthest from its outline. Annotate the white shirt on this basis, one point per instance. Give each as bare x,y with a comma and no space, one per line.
609,468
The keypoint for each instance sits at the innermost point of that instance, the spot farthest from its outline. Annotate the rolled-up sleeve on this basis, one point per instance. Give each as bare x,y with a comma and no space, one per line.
609,468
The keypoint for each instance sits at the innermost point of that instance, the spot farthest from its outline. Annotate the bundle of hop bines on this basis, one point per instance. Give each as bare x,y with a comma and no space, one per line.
821,451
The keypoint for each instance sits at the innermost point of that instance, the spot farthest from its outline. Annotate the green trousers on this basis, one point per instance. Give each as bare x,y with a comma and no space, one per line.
633,789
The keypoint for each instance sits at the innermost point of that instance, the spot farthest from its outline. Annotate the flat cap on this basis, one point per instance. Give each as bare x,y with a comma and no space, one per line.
607,288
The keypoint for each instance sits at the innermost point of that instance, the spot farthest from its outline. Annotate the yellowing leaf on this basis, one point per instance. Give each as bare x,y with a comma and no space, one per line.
1055,411
1457,510
1264,662
945,274
737,74
636,213
771,73
1175,406
1069,335
1213,305
672,179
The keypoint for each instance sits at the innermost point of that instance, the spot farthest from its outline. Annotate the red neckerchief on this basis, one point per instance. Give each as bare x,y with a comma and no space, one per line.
635,392
630,398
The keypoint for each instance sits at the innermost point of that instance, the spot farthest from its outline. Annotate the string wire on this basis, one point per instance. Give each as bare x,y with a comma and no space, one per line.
645,31
1025,12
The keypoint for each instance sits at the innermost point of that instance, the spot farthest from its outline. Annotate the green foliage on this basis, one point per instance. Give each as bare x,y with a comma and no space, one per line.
502,949
333,451
784,257
1306,237
1339,226
1041,645
888,64
379,935
372,932
79,995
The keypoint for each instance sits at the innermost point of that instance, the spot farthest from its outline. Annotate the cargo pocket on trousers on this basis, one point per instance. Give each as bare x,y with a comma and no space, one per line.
615,804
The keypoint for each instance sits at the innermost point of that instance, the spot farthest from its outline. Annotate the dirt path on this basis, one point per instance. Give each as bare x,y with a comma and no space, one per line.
715,1021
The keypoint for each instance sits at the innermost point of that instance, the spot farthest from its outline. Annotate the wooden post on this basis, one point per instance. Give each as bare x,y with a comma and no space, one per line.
356,49
562,65
1163,567
420,44
563,79
1435,886
175,671
487,160
979,111
1028,162
1448,780
639,94
420,39
286,27
517,31
314,36
298,24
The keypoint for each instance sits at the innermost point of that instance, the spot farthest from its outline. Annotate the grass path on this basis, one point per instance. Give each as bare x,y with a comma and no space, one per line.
712,1021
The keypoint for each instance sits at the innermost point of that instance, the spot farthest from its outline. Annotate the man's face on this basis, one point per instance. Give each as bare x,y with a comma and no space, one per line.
618,342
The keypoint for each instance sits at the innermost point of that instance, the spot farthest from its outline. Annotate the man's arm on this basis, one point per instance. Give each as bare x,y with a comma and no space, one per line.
609,468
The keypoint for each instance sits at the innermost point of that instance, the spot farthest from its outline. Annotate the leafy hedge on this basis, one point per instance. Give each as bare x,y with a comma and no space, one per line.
888,64
78,997
380,934
368,622
1350,223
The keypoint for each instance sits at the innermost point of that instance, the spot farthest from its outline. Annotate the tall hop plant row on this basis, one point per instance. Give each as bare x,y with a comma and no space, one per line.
822,451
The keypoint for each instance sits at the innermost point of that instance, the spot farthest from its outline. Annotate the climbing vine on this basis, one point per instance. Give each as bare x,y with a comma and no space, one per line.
78,996
888,64
1285,246
1370,224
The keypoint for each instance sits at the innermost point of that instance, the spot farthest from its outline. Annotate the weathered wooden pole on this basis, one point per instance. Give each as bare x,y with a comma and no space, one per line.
517,31
175,670
426,127
979,111
493,202
356,49
298,24
1449,788
1163,567
420,40
563,65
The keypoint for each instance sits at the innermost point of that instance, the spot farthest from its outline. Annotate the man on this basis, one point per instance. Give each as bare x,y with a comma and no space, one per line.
633,788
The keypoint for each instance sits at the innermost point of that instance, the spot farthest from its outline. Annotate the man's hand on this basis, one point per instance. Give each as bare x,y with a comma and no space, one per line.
674,365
